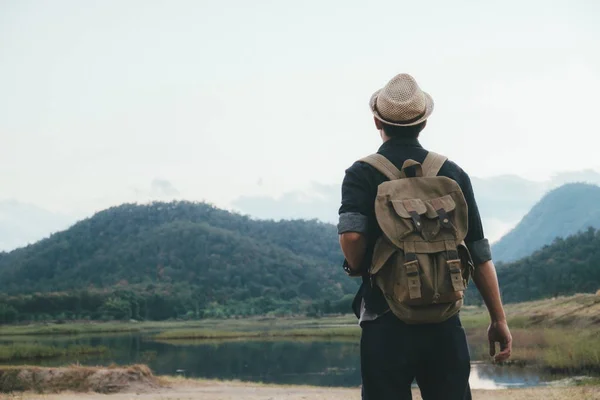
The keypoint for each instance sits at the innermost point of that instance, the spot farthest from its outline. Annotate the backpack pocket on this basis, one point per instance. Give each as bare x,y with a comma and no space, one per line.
428,278
450,285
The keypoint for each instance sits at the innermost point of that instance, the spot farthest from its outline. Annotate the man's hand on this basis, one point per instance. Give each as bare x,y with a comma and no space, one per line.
486,280
498,332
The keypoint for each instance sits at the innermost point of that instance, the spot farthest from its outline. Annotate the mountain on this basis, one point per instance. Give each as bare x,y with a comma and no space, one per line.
565,267
562,212
502,200
195,257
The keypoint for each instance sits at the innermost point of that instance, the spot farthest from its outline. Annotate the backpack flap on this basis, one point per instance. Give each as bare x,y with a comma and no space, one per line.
420,219
409,212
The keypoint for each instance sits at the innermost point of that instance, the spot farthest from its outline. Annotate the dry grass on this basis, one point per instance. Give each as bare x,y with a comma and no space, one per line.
76,379
554,349
578,311
34,351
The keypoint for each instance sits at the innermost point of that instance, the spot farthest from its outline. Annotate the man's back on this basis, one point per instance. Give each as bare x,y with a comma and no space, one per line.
359,191
394,351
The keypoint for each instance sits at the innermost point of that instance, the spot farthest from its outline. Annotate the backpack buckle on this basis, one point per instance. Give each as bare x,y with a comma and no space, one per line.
444,219
442,214
412,276
416,219
458,283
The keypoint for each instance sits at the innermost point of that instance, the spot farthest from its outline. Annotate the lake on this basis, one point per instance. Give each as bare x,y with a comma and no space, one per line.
312,362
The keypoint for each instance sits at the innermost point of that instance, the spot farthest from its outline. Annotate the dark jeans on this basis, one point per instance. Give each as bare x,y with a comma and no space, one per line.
393,354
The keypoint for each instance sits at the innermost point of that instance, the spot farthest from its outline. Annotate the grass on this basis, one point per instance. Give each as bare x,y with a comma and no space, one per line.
558,350
194,334
67,329
233,325
37,351
579,311
559,334
574,311
573,350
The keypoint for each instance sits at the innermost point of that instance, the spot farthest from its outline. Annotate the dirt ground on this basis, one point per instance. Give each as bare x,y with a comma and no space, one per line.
211,390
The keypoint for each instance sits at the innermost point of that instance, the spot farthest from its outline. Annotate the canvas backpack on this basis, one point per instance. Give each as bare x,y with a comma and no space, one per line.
420,262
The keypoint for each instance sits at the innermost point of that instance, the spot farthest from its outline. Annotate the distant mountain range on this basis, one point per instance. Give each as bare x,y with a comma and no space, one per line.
502,200
185,260
562,212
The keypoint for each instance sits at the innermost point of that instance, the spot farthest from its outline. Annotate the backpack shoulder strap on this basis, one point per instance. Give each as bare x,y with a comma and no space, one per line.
433,163
383,165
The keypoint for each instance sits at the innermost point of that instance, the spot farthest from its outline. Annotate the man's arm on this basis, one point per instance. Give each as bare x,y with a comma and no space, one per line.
486,280
354,247
358,197
485,277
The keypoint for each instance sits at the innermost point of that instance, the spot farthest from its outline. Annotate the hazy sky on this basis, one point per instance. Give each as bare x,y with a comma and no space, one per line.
114,101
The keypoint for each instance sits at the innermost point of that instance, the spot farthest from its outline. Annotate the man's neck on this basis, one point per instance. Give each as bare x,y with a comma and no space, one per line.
401,140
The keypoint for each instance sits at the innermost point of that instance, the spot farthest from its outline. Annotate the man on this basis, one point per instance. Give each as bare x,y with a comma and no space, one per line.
393,352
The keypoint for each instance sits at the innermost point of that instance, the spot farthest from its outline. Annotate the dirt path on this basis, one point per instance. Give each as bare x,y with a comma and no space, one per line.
199,390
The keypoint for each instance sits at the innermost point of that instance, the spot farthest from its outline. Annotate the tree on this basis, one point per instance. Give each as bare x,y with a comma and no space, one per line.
8,314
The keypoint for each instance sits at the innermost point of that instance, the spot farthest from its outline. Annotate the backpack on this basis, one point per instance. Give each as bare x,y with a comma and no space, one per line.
420,262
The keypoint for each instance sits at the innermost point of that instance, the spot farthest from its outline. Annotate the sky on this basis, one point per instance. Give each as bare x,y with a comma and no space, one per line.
117,101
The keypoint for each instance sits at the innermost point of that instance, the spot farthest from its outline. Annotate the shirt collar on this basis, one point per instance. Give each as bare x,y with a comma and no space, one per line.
401,142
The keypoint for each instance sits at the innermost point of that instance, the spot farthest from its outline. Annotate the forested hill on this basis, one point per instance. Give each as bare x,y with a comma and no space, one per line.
565,267
189,257
190,260
562,212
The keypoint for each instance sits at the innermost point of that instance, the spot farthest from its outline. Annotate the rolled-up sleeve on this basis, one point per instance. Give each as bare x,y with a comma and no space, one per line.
353,222
358,197
356,213
480,251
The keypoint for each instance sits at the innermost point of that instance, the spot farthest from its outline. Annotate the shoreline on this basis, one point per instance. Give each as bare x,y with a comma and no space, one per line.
555,336
190,389
138,381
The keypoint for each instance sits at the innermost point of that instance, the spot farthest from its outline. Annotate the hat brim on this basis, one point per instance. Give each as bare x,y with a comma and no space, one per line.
428,111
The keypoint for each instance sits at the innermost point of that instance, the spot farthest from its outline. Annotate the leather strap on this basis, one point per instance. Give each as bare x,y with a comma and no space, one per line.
412,271
454,266
414,215
383,165
444,219
412,164
433,163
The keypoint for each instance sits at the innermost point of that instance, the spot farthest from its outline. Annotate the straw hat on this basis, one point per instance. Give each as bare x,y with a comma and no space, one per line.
401,102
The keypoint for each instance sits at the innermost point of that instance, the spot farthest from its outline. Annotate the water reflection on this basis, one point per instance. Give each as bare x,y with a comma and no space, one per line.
321,363
491,377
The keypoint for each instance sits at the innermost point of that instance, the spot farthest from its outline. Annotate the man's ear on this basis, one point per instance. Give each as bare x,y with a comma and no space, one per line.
378,124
